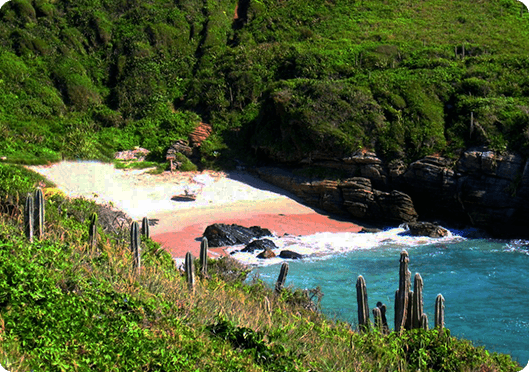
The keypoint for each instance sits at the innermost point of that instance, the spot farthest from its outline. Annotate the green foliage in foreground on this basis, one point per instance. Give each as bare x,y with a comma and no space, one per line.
287,78
65,306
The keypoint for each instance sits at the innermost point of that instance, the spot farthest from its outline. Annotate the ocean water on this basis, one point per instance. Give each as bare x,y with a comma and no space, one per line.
485,283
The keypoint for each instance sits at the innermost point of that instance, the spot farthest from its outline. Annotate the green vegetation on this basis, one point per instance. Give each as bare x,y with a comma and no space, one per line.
68,305
85,79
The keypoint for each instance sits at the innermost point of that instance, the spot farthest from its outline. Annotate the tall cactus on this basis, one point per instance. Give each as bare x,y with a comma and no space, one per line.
190,271
402,294
382,309
408,321
145,228
417,301
378,321
439,312
204,256
424,323
29,217
362,304
135,245
281,278
92,231
38,218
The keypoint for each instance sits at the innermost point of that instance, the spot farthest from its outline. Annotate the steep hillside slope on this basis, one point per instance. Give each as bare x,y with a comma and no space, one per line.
406,79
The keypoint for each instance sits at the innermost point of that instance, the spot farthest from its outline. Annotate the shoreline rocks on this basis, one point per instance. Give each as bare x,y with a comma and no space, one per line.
222,235
481,189
427,229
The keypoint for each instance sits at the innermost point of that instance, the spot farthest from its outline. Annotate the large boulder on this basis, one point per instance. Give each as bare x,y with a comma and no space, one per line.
259,244
222,235
290,255
427,229
267,253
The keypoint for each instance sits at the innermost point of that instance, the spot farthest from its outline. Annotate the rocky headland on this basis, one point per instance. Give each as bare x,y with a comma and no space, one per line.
480,189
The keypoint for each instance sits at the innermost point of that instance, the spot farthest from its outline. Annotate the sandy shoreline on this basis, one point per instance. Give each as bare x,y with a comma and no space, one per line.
234,197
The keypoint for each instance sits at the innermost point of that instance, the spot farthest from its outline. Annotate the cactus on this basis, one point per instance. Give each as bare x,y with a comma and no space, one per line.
281,278
28,217
204,257
190,271
408,322
135,245
402,294
439,316
378,321
145,228
382,309
424,322
417,301
92,231
38,219
362,304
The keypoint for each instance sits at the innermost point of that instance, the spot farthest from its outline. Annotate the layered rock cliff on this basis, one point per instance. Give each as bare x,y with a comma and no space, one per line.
481,189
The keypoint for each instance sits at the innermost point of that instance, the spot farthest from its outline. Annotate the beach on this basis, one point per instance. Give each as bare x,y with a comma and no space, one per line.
221,197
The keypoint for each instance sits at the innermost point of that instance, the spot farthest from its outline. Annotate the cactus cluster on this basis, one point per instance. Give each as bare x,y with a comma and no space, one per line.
408,312
34,215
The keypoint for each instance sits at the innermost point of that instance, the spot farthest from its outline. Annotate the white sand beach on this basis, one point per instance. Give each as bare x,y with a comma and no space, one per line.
234,197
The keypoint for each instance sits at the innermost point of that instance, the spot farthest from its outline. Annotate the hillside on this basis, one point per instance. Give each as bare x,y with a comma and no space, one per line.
276,79
68,303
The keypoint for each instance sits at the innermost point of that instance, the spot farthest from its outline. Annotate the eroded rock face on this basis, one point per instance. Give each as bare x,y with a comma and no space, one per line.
222,235
364,202
200,133
354,197
427,229
481,188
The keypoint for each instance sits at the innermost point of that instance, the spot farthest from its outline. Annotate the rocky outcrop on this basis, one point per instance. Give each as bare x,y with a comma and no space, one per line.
481,189
200,133
364,202
431,230
137,154
354,197
286,254
267,253
261,244
180,146
222,235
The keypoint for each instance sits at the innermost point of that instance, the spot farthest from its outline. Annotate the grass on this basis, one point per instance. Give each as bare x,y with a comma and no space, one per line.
65,306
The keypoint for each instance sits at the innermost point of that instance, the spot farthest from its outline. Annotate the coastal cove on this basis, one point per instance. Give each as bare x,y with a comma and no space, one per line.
484,282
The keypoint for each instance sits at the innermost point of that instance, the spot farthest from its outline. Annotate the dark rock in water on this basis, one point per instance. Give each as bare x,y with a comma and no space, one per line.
427,229
291,255
267,253
370,230
259,244
222,235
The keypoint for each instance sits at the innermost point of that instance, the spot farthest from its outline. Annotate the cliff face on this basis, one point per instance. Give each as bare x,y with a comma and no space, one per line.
482,189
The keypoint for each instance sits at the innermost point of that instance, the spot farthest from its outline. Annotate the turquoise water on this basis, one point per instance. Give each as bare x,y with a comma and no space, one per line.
484,283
